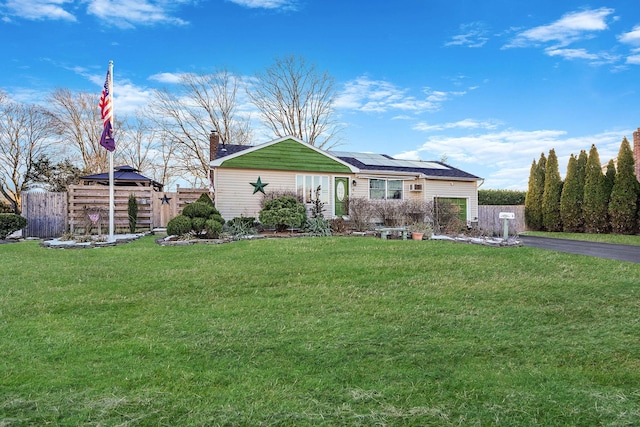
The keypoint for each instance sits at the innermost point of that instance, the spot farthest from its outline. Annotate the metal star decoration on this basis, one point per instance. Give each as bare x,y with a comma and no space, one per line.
258,186
165,199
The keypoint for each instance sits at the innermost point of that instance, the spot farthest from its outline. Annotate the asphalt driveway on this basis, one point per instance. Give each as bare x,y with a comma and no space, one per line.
629,253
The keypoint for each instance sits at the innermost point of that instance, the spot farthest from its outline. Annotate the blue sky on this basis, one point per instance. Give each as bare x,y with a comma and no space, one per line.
488,84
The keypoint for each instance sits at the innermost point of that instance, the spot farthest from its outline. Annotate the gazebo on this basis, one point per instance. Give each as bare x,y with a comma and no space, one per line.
123,176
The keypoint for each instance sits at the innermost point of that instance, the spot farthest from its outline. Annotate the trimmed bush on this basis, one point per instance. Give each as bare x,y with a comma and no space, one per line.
197,225
199,210
204,198
212,229
10,223
179,225
283,212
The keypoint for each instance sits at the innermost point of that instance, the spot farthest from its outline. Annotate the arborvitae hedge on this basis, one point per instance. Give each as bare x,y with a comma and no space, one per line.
533,202
595,195
501,197
609,178
551,197
571,199
623,204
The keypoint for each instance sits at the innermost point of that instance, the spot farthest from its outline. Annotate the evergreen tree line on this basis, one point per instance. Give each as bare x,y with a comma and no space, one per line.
501,197
589,200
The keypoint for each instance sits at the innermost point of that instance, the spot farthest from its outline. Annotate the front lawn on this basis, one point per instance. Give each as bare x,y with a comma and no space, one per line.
317,331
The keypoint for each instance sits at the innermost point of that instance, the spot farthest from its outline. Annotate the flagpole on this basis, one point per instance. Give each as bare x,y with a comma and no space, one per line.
111,189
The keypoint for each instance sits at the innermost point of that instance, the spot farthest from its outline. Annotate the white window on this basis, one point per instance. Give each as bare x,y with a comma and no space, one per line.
307,185
381,189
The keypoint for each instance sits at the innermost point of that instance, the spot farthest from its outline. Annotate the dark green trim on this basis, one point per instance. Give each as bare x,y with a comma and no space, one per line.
286,155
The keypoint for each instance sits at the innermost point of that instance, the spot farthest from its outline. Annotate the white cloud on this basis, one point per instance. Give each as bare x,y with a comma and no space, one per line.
461,124
570,28
129,98
129,13
379,96
632,37
634,58
571,53
172,78
265,4
506,156
39,9
472,35
119,13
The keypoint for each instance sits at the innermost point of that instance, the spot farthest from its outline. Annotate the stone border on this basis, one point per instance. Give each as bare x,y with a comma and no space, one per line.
72,244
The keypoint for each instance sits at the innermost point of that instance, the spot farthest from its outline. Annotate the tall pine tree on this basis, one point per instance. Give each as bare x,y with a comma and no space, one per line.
595,202
533,201
609,179
551,197
623,205
571,199
581,168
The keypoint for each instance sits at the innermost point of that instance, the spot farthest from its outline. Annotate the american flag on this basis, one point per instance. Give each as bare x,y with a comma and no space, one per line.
106,140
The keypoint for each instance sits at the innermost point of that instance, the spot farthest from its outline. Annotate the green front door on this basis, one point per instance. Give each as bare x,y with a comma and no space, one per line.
340,195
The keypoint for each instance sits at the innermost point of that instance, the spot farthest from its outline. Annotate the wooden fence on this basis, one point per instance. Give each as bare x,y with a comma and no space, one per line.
52,214
46,213
489,220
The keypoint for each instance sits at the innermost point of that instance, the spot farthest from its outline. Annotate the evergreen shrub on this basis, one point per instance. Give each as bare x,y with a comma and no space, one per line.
10,223
204,198
179,225
283,212
501,197
212,228
199,210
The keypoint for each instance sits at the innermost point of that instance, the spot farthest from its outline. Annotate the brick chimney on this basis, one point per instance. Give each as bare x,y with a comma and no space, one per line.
214,141
636,152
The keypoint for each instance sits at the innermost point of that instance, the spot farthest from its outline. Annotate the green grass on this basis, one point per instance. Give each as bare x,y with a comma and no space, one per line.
317,331
602,238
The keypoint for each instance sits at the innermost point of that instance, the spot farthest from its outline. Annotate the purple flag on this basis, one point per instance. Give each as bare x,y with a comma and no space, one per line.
106,140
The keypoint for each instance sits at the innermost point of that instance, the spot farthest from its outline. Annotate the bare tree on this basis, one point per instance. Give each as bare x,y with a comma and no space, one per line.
147,150
77,121
24,133
136,143
187,116
296,99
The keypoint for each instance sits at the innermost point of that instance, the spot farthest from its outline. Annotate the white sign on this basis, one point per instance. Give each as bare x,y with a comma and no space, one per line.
507,215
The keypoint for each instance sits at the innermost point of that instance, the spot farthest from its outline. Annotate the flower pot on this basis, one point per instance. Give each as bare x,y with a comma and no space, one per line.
417,236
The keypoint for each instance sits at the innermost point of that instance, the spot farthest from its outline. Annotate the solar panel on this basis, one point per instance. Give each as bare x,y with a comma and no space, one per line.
373,159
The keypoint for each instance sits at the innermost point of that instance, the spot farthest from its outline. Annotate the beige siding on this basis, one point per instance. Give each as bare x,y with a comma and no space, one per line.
234,193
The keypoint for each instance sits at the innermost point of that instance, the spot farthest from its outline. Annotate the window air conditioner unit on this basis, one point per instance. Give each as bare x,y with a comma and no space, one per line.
415,187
